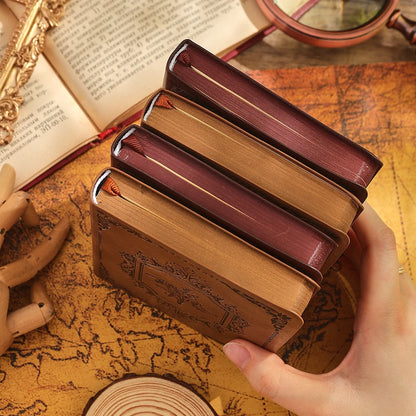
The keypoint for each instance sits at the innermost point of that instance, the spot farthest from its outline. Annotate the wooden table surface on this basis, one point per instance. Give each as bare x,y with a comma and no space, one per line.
278,50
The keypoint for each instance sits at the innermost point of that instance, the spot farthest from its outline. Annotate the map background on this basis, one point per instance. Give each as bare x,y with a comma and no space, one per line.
100,333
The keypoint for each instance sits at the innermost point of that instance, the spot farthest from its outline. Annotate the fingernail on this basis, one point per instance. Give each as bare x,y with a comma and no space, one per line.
236,353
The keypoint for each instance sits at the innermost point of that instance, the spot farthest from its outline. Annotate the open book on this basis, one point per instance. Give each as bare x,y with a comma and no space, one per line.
102,62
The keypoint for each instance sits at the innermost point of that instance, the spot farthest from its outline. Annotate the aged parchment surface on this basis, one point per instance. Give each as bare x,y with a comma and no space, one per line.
100,333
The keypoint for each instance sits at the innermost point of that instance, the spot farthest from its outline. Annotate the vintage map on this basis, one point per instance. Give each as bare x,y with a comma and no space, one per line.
99,333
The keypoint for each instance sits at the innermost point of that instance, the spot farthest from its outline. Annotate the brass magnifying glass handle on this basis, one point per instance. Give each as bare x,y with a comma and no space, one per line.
404,25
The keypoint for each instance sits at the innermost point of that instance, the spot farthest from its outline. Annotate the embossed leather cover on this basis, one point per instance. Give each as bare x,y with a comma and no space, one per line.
195,271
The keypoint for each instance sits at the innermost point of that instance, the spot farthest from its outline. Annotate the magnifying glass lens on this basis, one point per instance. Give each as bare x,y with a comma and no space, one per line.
332,15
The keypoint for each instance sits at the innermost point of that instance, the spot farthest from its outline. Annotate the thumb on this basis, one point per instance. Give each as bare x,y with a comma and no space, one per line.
295,390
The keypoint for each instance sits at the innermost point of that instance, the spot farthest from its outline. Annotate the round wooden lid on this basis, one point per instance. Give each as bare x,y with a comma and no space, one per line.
147,395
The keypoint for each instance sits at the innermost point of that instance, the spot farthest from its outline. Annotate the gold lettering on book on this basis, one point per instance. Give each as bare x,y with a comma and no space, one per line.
21,55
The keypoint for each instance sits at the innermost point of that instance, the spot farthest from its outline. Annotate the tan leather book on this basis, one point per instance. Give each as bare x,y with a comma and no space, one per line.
190,268
255,164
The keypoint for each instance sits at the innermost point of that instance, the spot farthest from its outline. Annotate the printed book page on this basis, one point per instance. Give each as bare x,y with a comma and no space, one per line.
112,55
104,83
50,126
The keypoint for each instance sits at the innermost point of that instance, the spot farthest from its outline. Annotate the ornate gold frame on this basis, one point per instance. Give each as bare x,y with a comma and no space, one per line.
21,55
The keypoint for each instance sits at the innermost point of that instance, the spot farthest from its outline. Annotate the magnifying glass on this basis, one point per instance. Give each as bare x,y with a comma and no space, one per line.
336,23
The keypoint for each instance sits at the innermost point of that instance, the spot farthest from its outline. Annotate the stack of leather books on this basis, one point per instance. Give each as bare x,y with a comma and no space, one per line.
227,205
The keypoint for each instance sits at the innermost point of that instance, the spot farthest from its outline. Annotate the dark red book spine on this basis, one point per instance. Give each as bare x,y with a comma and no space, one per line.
200,76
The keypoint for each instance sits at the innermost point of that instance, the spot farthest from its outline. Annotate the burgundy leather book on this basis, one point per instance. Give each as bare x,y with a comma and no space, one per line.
208,192
198,75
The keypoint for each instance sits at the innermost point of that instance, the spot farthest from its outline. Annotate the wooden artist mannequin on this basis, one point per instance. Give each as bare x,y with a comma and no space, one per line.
13,206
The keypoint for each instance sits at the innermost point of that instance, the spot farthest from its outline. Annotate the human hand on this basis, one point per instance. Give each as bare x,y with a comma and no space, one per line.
12,207
378,374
